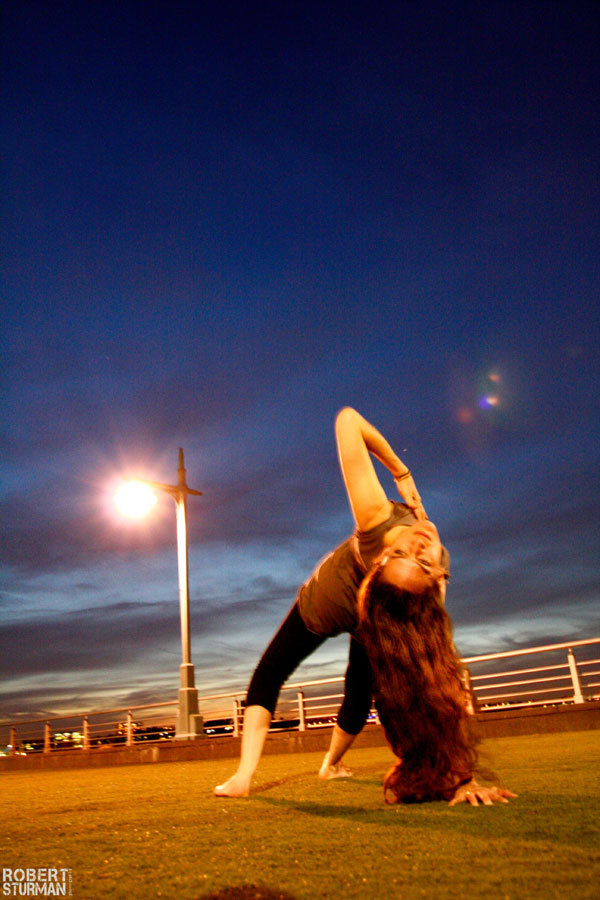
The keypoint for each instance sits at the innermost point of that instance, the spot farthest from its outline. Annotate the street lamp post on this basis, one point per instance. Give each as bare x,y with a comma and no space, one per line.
189,722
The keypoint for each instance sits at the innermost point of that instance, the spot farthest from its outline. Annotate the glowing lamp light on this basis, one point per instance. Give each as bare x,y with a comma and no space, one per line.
135,499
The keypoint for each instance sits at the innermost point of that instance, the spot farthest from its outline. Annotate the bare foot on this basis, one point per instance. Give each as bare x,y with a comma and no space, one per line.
340,770
236,786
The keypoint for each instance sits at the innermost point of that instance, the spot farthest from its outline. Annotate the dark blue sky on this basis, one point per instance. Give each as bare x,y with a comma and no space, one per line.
223,223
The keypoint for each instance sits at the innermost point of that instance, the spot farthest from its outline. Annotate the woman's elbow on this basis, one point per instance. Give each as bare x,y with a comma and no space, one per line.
346,414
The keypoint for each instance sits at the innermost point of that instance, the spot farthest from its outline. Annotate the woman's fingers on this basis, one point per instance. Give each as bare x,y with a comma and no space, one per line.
474,794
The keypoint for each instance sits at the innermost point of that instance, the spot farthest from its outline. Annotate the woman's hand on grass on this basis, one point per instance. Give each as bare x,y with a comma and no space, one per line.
474,793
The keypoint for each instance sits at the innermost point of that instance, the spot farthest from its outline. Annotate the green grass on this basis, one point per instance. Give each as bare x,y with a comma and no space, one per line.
156,831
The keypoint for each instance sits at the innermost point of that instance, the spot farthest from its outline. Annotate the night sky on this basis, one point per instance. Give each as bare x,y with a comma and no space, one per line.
222,223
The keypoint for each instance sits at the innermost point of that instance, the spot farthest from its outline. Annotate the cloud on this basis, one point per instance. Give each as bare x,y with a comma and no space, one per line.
88,639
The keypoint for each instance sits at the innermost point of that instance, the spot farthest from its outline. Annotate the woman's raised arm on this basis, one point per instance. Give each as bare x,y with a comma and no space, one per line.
357,440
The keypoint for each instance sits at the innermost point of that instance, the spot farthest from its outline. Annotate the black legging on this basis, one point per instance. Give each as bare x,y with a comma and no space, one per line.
292,644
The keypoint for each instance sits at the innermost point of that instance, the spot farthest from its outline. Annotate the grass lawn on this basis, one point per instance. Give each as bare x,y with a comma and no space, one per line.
156,831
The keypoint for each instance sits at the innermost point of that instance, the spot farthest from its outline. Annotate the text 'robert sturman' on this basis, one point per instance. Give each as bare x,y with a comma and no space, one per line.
36,882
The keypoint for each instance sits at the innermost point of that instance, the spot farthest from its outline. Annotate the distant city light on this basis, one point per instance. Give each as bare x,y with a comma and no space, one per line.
494,376
135,499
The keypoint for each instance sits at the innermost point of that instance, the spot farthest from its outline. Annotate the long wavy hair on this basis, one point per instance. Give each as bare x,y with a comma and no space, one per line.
419,693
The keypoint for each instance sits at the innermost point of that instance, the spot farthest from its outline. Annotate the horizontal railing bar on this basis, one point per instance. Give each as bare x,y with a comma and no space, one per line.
324,697
520,693
508,653
311,709
286,687
317,681
83,715
521,672
527,681
102,712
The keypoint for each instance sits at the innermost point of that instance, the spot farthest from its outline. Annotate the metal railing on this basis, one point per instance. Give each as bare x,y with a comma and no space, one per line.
563,680
313,704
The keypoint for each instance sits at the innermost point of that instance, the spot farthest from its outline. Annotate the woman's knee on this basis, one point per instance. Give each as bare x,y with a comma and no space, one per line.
265,686
352,716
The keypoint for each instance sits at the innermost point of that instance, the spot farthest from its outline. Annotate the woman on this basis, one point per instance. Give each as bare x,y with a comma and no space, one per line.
386,587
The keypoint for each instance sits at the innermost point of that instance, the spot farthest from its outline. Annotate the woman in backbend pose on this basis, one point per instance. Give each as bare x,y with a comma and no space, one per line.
386,587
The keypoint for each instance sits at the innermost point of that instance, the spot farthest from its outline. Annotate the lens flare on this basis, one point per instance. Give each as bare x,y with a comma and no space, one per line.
135,499
488,401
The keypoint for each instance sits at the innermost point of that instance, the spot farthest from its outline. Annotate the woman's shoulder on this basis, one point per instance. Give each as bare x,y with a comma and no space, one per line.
399,514
369,544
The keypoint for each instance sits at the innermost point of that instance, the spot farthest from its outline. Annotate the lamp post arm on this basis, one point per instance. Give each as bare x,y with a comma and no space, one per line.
174,490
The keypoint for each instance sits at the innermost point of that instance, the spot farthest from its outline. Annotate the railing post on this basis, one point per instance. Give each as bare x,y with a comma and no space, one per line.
86,733
47,738
129,728
577,695
468,686
301,712
13,740
236,718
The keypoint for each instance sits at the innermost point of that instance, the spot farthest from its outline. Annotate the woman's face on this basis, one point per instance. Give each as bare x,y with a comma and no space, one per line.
412,561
